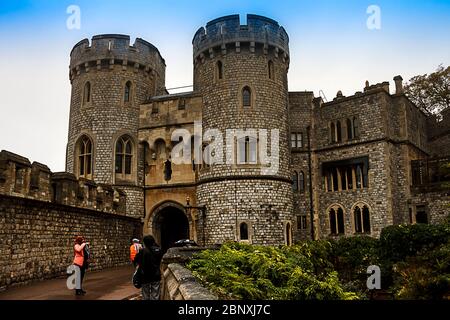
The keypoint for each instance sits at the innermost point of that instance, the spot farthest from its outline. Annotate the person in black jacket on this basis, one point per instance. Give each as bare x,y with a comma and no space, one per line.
149,260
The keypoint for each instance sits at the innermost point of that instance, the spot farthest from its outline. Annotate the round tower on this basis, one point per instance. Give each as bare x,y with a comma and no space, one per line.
241,71
110,80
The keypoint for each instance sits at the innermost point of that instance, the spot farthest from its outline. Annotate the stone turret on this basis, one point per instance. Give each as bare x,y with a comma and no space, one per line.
110,80
241,72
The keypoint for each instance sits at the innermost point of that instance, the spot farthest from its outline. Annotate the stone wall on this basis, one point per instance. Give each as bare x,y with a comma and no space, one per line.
300,121
178,283
436,204
37,238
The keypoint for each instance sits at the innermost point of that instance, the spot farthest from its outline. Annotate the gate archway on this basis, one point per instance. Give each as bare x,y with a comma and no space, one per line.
169,225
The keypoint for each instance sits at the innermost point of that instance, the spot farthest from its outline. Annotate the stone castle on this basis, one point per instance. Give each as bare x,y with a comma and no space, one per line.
353,165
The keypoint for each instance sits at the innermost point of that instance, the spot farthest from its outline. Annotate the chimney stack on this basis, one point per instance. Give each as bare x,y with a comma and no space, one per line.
398,84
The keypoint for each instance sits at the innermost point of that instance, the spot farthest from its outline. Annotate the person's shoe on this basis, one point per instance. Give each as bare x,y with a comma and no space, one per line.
78,292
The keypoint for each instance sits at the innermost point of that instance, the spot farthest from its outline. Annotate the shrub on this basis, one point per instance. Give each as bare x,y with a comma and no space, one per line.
254,272
425,276
351,257
397,243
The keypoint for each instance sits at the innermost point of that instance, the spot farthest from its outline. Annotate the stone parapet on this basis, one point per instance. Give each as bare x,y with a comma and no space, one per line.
229,31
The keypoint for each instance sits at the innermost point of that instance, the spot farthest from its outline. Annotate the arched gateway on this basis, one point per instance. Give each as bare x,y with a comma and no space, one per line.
169,224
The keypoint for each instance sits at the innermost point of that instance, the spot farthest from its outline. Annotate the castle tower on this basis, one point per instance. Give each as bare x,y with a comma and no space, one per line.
110,79
241,71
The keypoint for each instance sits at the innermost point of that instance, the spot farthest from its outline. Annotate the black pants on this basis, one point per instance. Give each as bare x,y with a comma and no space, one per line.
82,272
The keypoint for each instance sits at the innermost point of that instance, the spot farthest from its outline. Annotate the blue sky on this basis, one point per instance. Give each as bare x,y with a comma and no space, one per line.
331,49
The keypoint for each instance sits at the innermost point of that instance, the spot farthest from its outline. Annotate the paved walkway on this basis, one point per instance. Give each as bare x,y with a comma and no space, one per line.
109,284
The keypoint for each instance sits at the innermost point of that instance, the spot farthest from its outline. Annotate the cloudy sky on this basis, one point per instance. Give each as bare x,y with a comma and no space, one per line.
331,49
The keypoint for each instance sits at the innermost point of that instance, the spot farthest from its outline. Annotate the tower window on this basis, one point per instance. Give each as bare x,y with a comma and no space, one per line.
301,180
301,222
127,95
295,181
247,150
219,70
243,231
288,234
124,155
85,157
297,140
246,97
87,93
271,70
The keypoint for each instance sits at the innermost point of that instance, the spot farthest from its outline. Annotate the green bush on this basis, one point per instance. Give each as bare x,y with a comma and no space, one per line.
241,271
398,242
414,262
351,256
425,276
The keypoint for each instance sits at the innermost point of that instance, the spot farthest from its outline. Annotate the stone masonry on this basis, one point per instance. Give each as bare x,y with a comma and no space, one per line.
41,213
353,154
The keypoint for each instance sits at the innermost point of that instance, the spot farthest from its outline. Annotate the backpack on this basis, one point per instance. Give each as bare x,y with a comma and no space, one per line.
86,256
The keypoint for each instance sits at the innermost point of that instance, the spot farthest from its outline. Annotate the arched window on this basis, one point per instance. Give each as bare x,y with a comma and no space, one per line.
219,70
247,150
243,231
124,155
160,150
358,220
295,181
338,131
87,93
288,234
355,127
349,129
361,216
127,95
336,216
333,132
246,97
85,157
301,182
332,217
270,69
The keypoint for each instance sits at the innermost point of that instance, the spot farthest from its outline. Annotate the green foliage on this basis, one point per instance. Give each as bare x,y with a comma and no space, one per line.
425,276
430,92
254,272
351,257
399,242
414,261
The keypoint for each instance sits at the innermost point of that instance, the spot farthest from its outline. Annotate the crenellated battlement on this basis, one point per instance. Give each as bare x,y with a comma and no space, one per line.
20,178
108,50
228,32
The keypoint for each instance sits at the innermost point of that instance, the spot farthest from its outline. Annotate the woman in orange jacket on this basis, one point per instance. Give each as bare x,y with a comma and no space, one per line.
79,262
